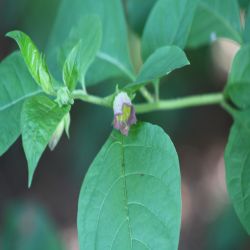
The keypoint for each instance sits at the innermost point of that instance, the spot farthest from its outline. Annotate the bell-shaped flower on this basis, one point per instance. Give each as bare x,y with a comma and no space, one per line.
124,113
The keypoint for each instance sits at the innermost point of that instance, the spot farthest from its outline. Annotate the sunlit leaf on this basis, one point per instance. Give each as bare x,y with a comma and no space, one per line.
34,60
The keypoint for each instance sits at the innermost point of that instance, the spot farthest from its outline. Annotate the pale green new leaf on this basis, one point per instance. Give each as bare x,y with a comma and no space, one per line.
168,24
163,61
238,88
34,60
131,196
237,159
113,57
39,120
16,85
70,68
214,19
83,43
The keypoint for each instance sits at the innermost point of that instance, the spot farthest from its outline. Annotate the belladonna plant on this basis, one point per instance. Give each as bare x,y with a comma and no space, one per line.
131,195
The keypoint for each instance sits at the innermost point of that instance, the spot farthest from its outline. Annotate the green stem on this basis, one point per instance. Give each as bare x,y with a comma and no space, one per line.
185,102
157,89
81,95
146,94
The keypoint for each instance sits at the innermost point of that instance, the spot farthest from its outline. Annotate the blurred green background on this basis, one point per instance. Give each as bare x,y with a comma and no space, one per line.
44,217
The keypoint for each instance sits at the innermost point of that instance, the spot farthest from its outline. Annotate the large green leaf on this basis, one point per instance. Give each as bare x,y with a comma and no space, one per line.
163,61
39,120
131,197
34,60
84,46
237,159
213,19
238,88
16,85
137,12
113,57
168,24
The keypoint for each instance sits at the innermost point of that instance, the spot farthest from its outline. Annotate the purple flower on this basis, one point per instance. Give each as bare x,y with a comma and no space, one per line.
124,113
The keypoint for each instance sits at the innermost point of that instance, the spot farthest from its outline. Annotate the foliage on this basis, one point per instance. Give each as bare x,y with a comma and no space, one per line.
133,186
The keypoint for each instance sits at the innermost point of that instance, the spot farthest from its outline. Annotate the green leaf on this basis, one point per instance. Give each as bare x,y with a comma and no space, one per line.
133,190
86,46
16,85
246,32
238,88
214,19
138,12
237,159
163,61
39,120
168,24
70,68
113,57
34,60
244,3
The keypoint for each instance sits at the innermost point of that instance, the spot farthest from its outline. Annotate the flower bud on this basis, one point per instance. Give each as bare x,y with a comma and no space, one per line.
63,125
124,113
64,97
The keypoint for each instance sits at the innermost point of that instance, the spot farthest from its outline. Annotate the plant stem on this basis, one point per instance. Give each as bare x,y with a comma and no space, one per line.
146,94
185,102
157,89
81,95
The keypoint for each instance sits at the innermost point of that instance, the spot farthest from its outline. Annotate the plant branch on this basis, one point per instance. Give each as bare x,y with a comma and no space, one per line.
157,89
185,102
146,94
81,95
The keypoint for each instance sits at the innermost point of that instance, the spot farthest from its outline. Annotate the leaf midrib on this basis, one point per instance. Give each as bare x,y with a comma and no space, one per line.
20,99
125,190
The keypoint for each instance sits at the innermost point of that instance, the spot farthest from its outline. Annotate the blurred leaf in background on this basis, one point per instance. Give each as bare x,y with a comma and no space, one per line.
137,13
226,233
26,226
244,3
33,17
112,59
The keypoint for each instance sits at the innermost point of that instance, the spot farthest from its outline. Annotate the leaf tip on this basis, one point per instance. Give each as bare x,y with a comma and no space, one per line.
30,179
12,34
